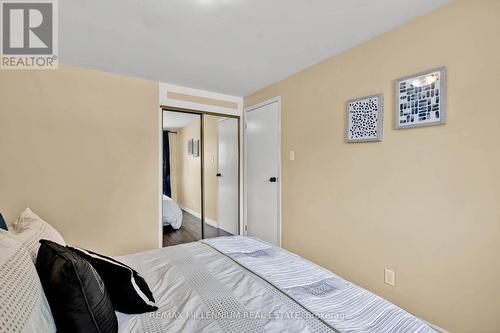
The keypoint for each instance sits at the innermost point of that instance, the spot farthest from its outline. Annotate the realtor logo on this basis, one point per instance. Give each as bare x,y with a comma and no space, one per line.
29,34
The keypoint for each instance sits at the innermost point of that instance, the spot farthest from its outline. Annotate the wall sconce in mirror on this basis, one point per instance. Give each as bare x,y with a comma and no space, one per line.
196,148
190,146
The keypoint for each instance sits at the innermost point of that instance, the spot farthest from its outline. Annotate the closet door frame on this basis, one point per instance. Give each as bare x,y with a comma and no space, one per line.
202,160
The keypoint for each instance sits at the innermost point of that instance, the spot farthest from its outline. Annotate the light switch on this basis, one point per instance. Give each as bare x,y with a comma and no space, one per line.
292,155
389,277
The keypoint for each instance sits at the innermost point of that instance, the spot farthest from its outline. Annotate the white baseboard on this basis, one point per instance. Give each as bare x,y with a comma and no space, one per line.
190,211
434,327
212,223
198,215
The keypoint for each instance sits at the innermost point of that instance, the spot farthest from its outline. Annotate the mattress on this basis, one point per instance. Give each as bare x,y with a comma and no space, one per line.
240,284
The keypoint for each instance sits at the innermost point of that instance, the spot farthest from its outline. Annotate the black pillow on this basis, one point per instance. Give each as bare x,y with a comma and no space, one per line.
129,292
77,295
3,225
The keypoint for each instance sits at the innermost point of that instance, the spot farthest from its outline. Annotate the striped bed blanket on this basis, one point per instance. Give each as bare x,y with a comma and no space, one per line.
242,285
342,305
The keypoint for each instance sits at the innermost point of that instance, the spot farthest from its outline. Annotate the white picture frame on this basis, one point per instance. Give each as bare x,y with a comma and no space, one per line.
365,119
421,99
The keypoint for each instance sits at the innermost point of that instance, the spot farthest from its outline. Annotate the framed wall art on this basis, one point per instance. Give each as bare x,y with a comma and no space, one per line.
196,148
190,146
364,119
421,99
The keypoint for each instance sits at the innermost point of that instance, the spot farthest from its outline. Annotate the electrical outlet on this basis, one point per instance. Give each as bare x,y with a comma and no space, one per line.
292,155
389,277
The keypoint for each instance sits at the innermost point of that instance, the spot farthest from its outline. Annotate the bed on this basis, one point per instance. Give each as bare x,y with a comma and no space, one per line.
240,284
172,213
225,284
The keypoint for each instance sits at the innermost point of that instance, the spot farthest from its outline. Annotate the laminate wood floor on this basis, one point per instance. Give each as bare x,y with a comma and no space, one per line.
190,231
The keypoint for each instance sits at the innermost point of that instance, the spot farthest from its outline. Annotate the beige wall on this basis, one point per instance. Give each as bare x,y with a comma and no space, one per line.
80,147
424,202
210,166
202,100
189,169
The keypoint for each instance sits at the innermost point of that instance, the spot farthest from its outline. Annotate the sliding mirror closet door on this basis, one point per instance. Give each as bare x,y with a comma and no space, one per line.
221,176
182,170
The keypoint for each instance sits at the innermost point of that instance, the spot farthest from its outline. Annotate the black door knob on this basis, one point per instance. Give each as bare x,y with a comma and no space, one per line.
273,179
219,174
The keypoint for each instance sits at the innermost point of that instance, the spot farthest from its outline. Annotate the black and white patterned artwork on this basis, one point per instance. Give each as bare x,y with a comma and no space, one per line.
421,99
364,119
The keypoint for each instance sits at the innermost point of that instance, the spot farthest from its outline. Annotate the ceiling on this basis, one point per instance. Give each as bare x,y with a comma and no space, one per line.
227,46
175,120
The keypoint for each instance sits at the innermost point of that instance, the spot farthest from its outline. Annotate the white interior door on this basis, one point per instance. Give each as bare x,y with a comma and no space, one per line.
227,176
262,172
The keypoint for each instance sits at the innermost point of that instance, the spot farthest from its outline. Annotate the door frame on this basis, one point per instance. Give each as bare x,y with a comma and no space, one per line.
202,171
276,99
202,161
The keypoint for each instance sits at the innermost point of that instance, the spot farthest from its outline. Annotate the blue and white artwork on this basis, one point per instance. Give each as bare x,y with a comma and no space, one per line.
364,119
421,99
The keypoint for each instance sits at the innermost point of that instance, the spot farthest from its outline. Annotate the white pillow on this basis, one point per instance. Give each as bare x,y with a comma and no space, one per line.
30,228
23,305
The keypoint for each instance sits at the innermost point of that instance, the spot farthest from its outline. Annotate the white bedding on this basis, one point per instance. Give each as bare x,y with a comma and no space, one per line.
237,284
197,289
172,213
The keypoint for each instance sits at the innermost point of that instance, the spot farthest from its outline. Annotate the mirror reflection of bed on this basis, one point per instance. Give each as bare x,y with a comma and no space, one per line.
183,147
